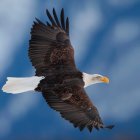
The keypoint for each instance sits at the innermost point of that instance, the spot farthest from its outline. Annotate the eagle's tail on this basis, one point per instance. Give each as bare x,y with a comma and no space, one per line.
19,85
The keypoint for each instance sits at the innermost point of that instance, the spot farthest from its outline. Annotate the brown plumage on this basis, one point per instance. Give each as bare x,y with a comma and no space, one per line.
52,54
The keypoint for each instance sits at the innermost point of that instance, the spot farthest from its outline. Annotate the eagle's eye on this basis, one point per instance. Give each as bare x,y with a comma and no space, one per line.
98,77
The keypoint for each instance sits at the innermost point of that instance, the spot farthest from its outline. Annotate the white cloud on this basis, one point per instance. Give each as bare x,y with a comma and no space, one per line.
122,34
84,22
15,15
16,109
126,31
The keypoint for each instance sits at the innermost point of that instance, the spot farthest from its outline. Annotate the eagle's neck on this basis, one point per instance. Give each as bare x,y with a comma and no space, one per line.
87,78
90,79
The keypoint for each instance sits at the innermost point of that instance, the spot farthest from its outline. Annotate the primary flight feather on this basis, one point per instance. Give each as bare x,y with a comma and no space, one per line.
57,77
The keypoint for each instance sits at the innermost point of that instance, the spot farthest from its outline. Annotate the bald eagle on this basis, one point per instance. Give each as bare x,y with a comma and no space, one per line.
57,77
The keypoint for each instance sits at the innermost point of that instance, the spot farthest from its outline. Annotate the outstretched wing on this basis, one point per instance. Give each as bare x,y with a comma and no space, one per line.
72,102
50,48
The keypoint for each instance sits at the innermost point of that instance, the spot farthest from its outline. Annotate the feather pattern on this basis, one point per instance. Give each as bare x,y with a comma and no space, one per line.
56,18
50,17
62,19
78,109
50,45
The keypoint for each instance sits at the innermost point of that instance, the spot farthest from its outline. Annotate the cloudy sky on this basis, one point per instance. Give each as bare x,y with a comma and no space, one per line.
106,37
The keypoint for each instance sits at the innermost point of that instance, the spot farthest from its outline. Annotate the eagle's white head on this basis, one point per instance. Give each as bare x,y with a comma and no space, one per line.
90,79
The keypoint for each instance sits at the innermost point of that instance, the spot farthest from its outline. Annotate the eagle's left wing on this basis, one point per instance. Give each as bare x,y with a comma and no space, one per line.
72,102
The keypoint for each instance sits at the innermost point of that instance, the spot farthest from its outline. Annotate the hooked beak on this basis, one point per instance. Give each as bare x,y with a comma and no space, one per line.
105,79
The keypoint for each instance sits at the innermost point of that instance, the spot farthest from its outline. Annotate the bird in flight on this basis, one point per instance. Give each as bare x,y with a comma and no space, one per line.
57,77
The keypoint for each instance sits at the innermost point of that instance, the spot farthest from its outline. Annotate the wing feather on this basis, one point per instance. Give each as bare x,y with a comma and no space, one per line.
50,17
48,24
56,18
79,111
67,25
62,19
50,46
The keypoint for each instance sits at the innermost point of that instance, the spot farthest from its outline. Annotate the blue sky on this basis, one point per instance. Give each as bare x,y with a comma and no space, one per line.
106,37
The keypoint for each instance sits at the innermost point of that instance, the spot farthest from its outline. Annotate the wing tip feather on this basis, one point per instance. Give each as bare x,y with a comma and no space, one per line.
110,126
62,23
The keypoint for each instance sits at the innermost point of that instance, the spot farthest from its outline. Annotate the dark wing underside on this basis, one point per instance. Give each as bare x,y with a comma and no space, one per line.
50,48
72,102
74,113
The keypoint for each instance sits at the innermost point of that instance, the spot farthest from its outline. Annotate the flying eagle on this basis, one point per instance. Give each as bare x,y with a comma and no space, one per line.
57,77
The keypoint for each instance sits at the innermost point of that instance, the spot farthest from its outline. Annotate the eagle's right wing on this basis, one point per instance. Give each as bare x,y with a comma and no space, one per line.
50,48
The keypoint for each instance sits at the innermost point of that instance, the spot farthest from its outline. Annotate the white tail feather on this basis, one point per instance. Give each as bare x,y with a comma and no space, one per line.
19,85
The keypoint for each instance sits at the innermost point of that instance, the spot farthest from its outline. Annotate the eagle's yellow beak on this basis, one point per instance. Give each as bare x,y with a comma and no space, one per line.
105,79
